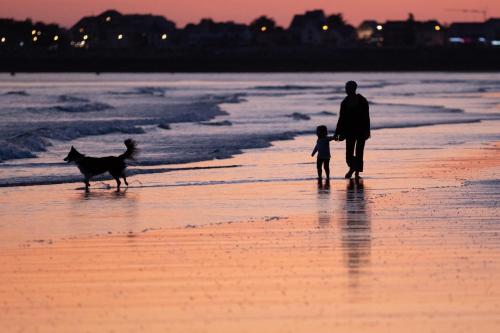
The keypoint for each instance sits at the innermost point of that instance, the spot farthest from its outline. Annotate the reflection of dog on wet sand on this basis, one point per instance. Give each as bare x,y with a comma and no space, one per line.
93,166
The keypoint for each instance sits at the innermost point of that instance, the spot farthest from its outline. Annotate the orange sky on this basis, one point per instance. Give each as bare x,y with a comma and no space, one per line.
67,12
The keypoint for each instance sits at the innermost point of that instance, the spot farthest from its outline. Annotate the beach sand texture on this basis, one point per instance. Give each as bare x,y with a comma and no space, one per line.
414,247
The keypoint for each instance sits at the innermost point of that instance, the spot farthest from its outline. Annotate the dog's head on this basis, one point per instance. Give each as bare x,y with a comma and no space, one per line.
73,155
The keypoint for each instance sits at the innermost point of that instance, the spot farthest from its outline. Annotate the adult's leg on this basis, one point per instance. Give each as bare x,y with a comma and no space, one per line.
349,156
360,150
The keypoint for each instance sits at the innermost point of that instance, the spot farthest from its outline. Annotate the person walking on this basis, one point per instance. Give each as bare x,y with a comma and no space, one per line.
353,126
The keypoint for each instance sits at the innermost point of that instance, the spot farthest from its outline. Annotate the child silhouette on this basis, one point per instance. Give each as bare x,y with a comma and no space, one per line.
323,149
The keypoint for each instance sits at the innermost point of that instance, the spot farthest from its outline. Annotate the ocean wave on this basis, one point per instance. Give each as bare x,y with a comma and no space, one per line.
36,139
427,108
27,144
72,108
16,93
148,91
224,99
299,116
217,123
290,87
72,99
326,113
426,123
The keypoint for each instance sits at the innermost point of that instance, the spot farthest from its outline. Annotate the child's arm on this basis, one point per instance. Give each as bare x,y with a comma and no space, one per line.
315,150
331,138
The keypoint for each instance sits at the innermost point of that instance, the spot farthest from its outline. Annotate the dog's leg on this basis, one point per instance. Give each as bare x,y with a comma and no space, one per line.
125,179
118,182
87,184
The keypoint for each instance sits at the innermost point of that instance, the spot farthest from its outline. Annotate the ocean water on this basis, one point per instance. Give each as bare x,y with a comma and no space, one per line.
182,118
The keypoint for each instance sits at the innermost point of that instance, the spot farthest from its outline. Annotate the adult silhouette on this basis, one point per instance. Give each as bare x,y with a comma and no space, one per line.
353,126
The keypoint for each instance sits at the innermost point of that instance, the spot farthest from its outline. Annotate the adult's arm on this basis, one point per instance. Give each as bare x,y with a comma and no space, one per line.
339,130
366,116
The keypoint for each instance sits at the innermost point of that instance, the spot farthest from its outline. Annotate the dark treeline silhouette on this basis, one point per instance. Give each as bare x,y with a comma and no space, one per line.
113,41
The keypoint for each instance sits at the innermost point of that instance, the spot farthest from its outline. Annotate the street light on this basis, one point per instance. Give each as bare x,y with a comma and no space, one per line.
379,27
164,36
325,27
85,37
56,38
3,40
120,37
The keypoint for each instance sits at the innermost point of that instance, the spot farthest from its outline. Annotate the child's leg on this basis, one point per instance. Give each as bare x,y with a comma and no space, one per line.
326,164
318,167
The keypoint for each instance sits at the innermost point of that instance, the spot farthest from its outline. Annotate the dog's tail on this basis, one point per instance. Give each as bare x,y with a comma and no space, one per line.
131,150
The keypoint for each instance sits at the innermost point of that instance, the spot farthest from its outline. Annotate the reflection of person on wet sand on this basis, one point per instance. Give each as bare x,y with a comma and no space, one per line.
324,203
356,231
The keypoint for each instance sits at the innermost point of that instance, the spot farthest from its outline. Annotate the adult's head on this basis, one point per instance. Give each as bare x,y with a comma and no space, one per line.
350,88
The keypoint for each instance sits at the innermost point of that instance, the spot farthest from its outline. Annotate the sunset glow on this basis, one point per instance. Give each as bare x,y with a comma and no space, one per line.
67,12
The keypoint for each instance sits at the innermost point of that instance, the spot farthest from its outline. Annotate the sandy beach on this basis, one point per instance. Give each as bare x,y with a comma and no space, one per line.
256,244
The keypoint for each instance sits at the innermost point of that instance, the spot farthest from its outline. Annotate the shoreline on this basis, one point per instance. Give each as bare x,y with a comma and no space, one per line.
165,168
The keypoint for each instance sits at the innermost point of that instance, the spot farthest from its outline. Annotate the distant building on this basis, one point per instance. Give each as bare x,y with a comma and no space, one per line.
210,33
111,29
429,34
411,33
338,33
493,31
475,33
308,28
468,33
370,32
27,35
265,32
315,28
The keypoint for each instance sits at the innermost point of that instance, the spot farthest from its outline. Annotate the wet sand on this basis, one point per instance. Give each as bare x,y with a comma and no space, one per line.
413,247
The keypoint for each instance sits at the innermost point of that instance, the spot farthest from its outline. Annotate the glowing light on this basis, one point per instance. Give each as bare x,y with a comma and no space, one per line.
78,44
495,42
456,40
3,40
482,40
108,19
56,38
263,28
437,28
38,33
164,36
325,27
120,36
379,27
35,38
81,30
85,37
33,32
